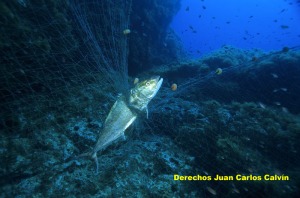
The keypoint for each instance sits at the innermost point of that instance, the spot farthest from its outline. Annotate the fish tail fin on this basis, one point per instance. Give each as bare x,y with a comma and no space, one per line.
94,156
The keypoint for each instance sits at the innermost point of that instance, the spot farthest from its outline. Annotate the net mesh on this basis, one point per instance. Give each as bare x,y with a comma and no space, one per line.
62,66
48,58
240,122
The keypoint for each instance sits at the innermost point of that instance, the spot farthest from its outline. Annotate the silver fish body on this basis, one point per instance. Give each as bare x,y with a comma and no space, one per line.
118,120
125,111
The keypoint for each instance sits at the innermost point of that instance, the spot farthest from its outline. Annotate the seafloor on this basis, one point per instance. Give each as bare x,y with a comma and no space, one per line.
217,127
244,120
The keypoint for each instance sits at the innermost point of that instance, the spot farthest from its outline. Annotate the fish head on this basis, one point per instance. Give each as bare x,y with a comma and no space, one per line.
144,91
149,88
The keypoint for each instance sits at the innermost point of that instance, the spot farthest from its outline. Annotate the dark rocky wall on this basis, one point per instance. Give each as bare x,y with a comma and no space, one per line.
151,42
43,34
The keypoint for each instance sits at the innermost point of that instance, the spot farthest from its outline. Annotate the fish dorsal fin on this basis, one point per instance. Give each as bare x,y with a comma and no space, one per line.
110,113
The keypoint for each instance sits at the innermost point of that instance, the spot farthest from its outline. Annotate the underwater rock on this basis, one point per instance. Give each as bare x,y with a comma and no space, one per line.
152,18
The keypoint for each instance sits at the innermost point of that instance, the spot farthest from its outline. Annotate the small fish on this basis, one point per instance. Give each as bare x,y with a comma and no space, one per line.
274,75
284,26
285,49
22,71
235,190
283,89
126,31
275,90
187,8
262,105
285,110
203,7
277,103
212,191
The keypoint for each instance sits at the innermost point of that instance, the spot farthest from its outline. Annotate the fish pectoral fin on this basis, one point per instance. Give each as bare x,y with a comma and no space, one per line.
94,156
123,136
129,123
147,112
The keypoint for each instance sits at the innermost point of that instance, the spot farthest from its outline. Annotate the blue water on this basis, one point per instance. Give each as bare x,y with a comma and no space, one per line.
206,25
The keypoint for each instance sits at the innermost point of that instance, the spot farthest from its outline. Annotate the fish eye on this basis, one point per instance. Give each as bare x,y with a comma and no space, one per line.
147,83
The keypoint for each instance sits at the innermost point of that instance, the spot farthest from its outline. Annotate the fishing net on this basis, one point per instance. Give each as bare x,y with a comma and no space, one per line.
49,54
64,63
240,121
